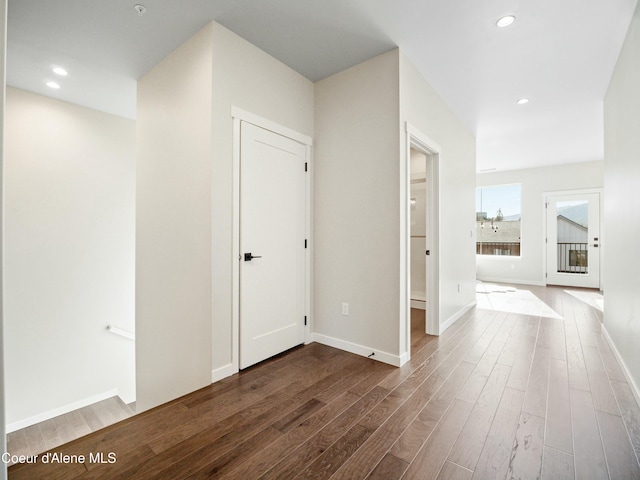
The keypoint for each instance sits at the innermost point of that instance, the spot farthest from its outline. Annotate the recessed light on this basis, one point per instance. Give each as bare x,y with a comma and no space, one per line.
522,101
53,85
60,71
505,21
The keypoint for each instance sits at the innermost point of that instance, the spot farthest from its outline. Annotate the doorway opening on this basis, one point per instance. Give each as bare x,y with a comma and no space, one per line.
418,245
420,286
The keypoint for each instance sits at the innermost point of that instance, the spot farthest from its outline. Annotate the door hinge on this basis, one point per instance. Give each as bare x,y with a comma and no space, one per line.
305,243
545,240
305,320
545,275
306,166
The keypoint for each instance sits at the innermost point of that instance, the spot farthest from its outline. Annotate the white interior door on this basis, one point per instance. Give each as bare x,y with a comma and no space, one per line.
573,239
272,244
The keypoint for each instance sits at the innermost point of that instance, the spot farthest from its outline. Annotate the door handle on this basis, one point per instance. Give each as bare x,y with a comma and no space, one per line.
248,257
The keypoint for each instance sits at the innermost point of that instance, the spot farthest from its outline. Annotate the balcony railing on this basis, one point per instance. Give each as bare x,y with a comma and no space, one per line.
573,258
511,249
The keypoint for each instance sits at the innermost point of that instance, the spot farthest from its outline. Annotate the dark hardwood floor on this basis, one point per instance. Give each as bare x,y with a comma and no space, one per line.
56,431
501,394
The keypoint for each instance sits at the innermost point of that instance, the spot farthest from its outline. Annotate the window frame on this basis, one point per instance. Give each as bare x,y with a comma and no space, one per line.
493,221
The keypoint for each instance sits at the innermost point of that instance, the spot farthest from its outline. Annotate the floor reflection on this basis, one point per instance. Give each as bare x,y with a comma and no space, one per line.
511,299
590,297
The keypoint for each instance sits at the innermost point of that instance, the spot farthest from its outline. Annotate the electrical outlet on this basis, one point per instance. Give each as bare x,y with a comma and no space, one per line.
345,309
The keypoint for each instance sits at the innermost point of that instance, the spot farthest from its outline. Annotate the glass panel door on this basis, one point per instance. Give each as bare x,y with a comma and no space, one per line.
573,239
572,221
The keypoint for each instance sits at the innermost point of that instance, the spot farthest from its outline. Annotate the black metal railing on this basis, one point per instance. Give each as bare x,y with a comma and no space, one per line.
573,257
511,249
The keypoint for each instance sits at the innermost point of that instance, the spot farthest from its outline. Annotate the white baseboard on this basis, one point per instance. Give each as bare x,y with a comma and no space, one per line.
419,304
456,316
511,280
362,350
222,372
623,365
404,358
41,417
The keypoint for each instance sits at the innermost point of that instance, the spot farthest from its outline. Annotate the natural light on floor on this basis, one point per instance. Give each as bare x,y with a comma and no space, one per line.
510,299
590,297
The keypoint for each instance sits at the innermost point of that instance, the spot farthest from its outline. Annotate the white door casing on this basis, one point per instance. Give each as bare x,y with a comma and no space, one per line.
272,244
573,239
421,143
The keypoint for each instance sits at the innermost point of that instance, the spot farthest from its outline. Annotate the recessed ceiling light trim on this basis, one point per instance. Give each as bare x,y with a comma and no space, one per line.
505,21
523,101
141,9
53,85
60,71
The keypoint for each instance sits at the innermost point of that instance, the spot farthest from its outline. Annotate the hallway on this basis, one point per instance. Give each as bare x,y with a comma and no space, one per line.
500,394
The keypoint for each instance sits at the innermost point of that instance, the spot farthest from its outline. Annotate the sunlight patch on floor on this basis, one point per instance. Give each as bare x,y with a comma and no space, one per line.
514,300
593,298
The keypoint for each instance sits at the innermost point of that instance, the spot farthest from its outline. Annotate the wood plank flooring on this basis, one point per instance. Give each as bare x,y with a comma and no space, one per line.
501,394
59,430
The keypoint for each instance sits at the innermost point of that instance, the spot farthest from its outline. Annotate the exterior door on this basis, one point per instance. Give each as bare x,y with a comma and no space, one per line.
272,243
573,239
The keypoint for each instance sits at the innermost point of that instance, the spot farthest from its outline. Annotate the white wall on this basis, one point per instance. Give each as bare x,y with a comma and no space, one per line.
185,201
360,153
357,211
69,244
173,222
3,36
530,267
622,202
245,77
421,106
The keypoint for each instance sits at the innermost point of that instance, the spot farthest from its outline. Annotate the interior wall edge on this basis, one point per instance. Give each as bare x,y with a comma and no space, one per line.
3,43
622,363
456,316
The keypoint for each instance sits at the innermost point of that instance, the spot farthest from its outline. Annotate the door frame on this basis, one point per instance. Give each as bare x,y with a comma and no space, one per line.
579,191
422,143
238,115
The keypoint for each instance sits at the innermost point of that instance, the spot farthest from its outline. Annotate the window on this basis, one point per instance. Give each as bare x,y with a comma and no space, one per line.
498,220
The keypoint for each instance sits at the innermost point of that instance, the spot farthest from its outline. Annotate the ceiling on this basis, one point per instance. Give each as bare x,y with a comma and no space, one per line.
559,55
